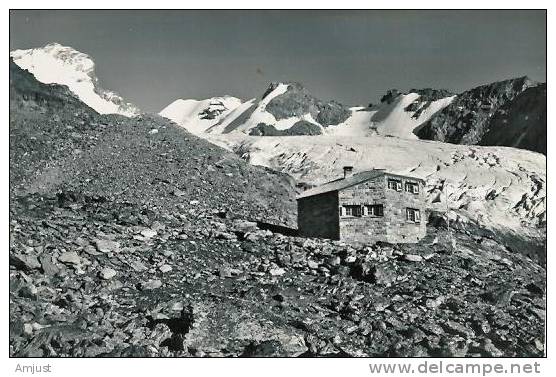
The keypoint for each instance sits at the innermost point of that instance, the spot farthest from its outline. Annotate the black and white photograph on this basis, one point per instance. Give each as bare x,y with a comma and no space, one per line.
278,183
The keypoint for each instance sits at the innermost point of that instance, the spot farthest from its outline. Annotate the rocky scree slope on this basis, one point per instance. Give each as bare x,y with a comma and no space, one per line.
478,116
145,160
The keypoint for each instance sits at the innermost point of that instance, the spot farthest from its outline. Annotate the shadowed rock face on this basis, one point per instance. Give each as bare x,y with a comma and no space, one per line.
390,96
470,116
430,94
298,101
264,129
520,123
304,128
332,113
26,92
215,109
301,127
425,95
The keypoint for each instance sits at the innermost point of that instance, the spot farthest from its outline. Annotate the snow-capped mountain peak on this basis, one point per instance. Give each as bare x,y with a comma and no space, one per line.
284,108
199,115
64,65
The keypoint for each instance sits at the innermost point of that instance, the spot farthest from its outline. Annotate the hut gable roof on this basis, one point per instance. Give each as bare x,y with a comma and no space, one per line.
343,183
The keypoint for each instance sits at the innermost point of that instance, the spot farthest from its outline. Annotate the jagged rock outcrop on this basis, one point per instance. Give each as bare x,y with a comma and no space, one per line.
332,112
301,127
298,101
294,102
390,95
520,123
469,117
198,116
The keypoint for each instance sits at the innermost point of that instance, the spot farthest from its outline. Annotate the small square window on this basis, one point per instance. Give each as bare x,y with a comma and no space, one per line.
413,215
395,184
412,187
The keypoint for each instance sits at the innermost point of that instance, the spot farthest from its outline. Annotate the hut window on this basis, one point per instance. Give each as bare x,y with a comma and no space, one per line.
413,215
412,187
352,210
395,184
374,210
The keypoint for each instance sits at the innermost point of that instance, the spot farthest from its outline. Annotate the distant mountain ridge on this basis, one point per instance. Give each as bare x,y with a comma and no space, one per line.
290,109
503,113
474,117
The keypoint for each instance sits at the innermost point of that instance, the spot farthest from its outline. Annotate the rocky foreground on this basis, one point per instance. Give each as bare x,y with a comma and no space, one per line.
90,277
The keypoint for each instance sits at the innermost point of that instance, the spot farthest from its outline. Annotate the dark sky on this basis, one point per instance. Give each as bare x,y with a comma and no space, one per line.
155,57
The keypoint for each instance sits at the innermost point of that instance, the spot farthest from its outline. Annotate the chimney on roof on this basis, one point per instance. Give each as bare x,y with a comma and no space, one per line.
348,171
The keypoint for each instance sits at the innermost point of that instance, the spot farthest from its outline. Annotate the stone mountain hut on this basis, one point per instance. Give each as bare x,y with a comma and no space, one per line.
366,207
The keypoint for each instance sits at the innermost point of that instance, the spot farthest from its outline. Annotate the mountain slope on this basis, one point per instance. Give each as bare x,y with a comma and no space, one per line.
145,159
520,123
43,126
63,65
474,117
399,114
473,113
477,116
